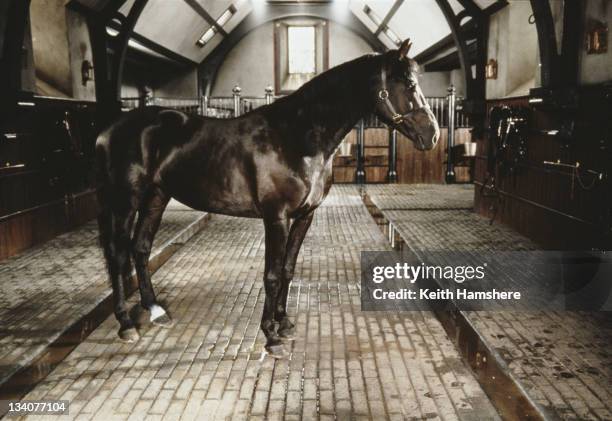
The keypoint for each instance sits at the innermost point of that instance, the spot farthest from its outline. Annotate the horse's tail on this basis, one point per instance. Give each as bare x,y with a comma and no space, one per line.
104,196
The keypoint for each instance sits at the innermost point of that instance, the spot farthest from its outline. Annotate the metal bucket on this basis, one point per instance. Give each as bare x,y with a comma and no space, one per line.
345,148
469,149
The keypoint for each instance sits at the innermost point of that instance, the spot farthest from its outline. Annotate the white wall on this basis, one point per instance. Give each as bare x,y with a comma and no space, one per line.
250,64
50,44
513,42
181,85
345,45
435,83
58,42
79,49
595,68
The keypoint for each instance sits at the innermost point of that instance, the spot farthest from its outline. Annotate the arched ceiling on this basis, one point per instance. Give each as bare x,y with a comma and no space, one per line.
177,25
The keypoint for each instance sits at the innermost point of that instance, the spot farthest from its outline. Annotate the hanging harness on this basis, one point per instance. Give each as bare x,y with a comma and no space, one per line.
507,149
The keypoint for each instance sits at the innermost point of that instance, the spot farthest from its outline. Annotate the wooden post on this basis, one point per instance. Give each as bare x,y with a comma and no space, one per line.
450,168
11,55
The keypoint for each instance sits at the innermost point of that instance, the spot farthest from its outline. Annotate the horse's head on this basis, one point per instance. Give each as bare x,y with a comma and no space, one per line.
400,102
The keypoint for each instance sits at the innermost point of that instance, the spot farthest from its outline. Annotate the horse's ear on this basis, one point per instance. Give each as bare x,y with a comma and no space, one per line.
404,49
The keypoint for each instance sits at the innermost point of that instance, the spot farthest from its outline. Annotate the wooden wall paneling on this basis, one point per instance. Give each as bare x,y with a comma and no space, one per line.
413,166
547,203
48,185
23,230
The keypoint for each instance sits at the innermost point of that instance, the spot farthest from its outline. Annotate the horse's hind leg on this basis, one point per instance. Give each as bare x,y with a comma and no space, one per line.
149,218
119,270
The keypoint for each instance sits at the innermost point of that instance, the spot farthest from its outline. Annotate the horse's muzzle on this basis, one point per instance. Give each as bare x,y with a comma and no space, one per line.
426,131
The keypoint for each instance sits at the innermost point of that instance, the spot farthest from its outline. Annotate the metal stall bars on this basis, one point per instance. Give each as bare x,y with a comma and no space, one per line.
447,111
236,105
360,175
392,172
450,168
236,97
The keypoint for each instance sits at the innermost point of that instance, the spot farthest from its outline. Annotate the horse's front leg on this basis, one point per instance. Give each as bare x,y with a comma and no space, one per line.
277,232
298,231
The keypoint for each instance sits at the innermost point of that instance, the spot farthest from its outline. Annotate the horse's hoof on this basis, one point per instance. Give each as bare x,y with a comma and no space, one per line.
287,334
277,351
159,316
129,336
164,321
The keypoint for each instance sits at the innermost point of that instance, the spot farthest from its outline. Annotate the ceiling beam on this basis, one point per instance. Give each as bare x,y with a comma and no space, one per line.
385,22
450,61
468,29
157,48
472,8
197,7
573,13
11,55
213,61
460,43
547,40
496,7
121,44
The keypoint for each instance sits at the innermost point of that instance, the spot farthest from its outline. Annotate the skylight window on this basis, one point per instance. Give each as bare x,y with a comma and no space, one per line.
301,43
219,23
206,37
225,16
373,16
378,22
392,36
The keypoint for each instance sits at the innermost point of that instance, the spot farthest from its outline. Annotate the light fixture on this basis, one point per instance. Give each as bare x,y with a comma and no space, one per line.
376,20
86,72
206,37
491,69
219,23
596,37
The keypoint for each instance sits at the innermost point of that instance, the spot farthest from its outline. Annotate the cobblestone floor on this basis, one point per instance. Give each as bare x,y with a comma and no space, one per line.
562,359
46,289
344,364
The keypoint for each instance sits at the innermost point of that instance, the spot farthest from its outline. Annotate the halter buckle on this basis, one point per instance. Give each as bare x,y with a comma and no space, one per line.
383,94
397,118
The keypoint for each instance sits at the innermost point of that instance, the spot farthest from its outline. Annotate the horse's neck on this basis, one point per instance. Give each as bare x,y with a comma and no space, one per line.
331,114
342,121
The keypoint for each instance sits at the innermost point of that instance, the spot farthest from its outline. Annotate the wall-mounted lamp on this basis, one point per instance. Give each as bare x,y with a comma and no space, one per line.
596,37
86,72
491,69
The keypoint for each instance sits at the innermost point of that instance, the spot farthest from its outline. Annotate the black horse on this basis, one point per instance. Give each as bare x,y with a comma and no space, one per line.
274,163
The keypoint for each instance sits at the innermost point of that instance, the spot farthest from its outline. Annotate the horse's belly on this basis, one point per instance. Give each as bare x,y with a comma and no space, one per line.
211,193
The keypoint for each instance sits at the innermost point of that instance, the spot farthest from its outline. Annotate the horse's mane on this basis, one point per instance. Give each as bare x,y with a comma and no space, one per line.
333,78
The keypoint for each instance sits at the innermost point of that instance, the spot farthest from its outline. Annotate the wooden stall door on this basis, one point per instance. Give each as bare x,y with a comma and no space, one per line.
413,166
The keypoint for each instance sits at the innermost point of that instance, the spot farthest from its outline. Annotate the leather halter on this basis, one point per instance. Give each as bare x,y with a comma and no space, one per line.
383,95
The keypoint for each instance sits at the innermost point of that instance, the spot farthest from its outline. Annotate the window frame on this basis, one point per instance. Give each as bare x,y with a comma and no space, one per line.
284,83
